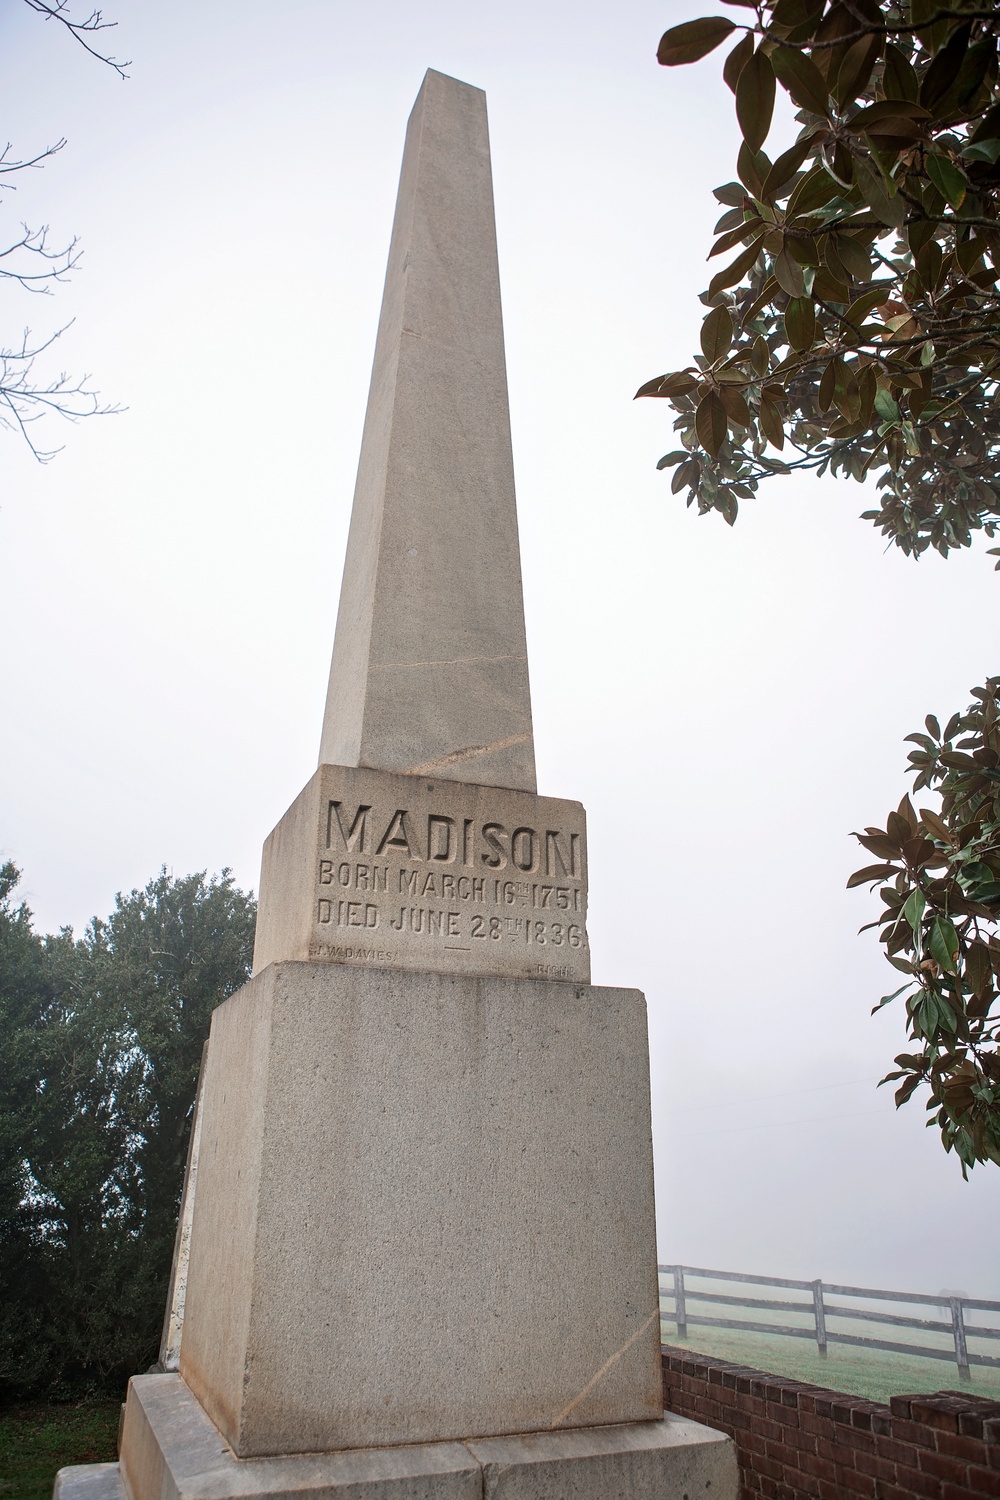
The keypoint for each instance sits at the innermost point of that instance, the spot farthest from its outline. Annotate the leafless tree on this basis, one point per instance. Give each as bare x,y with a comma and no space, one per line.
31,262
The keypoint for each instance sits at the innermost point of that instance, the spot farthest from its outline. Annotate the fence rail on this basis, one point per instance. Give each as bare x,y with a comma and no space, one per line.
677,1292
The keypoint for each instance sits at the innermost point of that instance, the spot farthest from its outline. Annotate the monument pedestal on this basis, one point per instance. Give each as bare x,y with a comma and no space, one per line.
172,1450
424,1211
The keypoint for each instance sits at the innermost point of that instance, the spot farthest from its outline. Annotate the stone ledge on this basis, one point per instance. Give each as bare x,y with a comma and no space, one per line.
172,1451
89,1482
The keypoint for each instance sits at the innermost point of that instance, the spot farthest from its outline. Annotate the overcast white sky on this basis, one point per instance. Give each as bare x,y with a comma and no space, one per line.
727,704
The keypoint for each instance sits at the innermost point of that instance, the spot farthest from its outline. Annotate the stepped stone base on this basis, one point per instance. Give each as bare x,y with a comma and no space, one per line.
424,1211
172,1451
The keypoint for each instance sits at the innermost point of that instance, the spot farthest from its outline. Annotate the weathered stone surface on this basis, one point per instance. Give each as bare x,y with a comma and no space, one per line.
430,667
89,1482
410,872
173,1320
674,1459
173,1452
424,1211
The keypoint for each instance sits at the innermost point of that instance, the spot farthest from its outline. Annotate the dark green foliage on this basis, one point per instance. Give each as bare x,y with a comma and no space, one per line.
857,329
939,877
103,1038
863,298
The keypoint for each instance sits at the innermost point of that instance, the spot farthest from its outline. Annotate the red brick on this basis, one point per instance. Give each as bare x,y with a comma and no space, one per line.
768,1467
822,1468
878,1468
835,1452
915,1483
861,1442
952,1469
913,1432
797,1483
900,1406
895,1451
939,1412
857,1484
971,1450
984,1481
821,1426
828,1491
892,1492
798,1442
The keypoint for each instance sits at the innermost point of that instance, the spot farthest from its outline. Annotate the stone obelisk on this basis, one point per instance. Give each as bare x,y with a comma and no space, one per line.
422,1254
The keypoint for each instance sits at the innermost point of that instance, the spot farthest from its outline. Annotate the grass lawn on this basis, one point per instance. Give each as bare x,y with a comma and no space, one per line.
35,1441
858,1372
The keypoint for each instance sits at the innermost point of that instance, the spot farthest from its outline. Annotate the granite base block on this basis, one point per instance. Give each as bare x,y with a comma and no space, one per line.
172,1451
89,1482
424,1211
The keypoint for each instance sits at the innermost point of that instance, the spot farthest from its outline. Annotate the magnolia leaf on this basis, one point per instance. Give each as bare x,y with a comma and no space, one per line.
717,333
755,99
944,944
949,181
871,873
693,40
752,167
856,68
786,166
913,910
898,78
890,210
732,193
710,423
827,386
771,421
855,261
944,68
978,967
736,269
935,825
789,274
814,192
801,78
679,384
886,406
800,323
886,109
904,1091
736,61
736,407
887,999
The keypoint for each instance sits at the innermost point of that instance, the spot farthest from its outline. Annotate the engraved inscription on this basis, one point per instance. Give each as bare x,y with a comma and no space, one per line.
373,867
421,875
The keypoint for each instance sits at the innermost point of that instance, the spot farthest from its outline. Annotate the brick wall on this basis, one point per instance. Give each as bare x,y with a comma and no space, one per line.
800,1442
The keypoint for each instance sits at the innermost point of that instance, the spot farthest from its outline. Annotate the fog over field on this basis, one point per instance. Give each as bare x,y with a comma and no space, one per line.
728,704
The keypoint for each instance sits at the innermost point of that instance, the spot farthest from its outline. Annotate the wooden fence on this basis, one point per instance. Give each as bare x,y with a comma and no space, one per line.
677,1292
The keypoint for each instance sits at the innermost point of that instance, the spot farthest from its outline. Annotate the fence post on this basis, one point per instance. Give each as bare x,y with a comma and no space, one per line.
958,1333
680,1309
820,1315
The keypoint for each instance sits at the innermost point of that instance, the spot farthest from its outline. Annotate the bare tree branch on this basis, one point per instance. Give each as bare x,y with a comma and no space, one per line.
81,31
23,401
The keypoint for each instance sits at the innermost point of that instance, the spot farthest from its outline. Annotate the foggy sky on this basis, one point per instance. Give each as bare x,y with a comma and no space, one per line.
728,704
